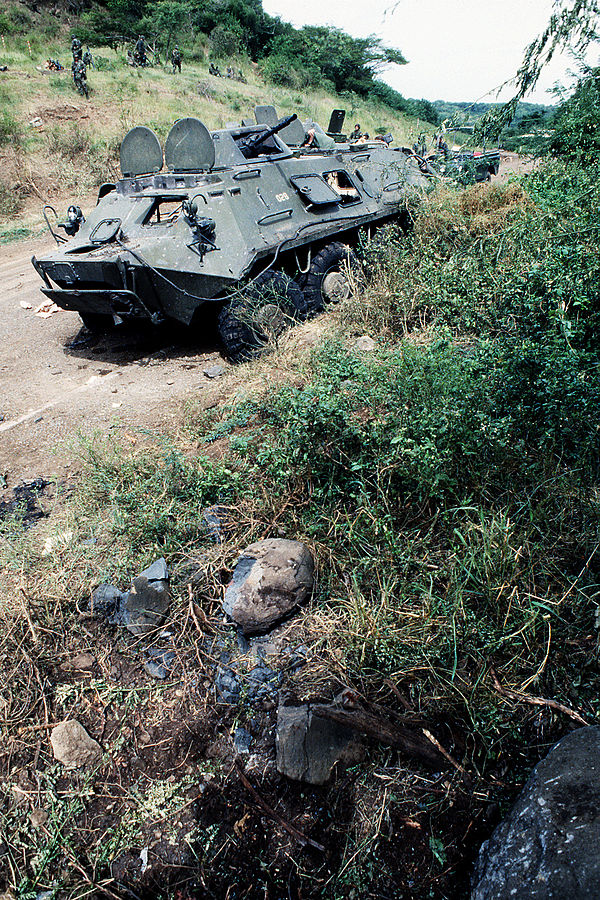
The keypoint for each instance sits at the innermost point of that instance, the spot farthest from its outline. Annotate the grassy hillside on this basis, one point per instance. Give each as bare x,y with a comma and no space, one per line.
55,146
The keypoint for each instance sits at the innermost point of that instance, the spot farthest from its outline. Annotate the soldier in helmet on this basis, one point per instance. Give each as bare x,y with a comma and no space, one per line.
176,59
88,59
80,77
75,47
139,54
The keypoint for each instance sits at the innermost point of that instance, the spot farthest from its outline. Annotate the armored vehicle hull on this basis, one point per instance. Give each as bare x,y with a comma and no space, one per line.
235,210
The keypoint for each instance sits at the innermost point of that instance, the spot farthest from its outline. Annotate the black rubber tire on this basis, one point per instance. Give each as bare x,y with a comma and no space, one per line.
242,325
97,322
335,257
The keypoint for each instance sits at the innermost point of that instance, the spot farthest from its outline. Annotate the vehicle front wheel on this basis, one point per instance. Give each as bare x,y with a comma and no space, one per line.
333,275
264,309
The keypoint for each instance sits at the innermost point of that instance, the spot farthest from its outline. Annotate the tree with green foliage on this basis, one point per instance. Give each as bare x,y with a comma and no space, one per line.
577,123
164,20
573,25
348,63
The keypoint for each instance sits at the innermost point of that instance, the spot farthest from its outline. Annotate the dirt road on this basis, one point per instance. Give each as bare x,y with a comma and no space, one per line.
57,380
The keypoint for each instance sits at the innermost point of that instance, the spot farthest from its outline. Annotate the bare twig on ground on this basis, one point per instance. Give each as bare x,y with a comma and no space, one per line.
291,829
536,701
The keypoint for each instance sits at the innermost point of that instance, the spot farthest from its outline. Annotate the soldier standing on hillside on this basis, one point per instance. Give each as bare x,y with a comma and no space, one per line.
139,54
88,59
80,77
176,59
75,47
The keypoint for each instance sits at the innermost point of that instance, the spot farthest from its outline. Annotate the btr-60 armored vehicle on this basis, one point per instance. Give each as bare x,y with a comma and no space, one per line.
236,218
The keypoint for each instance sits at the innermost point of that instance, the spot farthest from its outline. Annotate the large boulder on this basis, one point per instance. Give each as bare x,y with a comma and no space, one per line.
73,746
270,579
309,746
548,847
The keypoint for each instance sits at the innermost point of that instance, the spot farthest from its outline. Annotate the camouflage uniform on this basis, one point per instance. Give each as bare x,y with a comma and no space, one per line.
88,59
176,59
139,54
76,48
80,77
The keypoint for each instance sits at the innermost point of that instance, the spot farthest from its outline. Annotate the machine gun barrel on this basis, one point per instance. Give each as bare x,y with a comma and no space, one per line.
256,139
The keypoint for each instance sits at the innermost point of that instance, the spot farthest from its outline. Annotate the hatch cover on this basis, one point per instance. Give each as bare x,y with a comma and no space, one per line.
314,189
266,115
141,153
189,147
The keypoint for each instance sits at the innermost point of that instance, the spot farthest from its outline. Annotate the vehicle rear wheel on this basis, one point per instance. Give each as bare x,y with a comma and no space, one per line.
271,303
97,321
333,275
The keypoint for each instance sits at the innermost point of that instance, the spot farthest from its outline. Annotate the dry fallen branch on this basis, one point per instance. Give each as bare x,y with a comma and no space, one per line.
536,701
291,829
411,741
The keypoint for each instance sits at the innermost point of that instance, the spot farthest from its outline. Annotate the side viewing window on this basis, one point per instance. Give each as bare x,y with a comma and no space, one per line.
165,211
342,184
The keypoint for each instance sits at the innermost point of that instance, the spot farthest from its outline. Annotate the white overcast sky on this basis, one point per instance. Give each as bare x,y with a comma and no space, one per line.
456,49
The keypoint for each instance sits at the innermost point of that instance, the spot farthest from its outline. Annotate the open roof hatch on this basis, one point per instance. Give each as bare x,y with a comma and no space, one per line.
189,147
141,153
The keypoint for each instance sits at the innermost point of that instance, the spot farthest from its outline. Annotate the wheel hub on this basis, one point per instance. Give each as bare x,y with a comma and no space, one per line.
336,287
270,319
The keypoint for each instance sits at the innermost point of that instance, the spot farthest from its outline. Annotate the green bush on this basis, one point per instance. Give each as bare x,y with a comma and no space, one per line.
224,41
282,70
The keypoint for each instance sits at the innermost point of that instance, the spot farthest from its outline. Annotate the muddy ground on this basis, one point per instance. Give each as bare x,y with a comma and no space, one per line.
57,379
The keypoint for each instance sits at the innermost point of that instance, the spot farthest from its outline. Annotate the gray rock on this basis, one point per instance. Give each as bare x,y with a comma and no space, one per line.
159,663
213,517
72,745
157,571
364,344
308,747
227,686
214,371
242,740
106,600
145,606
548,847
261,683
270,579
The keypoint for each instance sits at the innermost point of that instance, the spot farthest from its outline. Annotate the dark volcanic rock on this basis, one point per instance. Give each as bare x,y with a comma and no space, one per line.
159,663
143,607
270,579
214,519
107,601
548,847
308,747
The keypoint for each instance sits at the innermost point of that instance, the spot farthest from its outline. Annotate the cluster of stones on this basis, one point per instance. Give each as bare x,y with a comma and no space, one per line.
547,847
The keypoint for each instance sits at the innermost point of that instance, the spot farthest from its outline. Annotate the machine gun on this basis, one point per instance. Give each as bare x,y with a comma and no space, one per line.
250,144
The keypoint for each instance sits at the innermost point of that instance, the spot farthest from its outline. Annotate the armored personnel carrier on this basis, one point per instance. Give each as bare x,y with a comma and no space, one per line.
243,219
